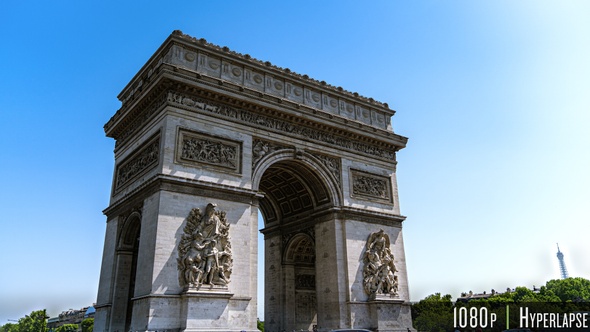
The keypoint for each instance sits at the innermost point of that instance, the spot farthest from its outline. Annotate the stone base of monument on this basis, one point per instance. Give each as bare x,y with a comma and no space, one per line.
213,309
391,314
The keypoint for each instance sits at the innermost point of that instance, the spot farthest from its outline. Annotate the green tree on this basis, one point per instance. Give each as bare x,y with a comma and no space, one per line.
260,325
434,313
35,321
88,325
67,328
570,289
10,327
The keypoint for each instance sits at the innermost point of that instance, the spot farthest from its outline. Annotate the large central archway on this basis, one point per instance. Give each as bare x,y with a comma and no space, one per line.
297,189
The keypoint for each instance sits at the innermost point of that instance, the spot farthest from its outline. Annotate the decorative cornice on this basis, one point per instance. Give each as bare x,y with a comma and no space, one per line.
283,123
202,43
183,57
181,185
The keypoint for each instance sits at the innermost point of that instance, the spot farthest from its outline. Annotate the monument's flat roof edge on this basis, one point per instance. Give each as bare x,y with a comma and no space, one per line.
204,45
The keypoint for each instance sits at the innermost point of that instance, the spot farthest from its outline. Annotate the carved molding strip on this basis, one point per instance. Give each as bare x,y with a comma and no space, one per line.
145,158
370,186
141,119
195,147
281,126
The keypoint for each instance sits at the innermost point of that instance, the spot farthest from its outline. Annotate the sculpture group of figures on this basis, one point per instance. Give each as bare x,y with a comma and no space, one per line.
379,271
204,251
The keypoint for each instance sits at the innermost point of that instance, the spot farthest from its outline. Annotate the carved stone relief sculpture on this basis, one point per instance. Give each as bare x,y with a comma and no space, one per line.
371,186
204,251
203,149
262,148
379,271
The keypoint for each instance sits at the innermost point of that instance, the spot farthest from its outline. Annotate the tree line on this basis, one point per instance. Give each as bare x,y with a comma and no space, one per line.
37,321
438,313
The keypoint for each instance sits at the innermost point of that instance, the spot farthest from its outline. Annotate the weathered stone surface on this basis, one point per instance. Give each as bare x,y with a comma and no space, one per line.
201,125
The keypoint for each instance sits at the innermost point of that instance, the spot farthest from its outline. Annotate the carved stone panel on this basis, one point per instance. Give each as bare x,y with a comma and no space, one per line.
370,186
197,148
363,115
232,72
204,250
347,109
279,125
378,119
209,65
330,104
313,98
253,79
294,92
379,271
332,164
145,158
261,148
275,86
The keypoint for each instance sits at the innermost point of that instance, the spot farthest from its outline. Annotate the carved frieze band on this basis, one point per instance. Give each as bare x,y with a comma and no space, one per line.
142,118
370,186
195,147
144,159
280,125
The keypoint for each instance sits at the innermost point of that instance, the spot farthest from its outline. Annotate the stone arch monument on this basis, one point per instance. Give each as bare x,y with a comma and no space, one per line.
205,139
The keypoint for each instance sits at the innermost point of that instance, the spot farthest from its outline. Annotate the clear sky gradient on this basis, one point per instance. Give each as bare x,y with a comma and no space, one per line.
493,95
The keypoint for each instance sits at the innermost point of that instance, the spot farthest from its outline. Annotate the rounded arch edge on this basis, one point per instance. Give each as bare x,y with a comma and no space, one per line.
311,162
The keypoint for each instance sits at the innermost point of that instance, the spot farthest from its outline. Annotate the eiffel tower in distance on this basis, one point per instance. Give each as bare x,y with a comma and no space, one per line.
562,268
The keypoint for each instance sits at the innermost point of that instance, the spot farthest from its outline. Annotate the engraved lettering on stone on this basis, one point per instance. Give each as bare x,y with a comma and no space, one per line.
145,159
370,185
379,271
205,150
204,250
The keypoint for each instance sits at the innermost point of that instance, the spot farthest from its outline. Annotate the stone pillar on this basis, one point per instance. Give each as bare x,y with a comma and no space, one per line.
289,299
330,286
273,298
104,298
121,290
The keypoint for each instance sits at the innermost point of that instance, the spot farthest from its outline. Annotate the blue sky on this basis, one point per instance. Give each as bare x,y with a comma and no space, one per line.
493,95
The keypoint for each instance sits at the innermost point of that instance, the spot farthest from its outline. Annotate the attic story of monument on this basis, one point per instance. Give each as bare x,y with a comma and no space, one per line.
205,139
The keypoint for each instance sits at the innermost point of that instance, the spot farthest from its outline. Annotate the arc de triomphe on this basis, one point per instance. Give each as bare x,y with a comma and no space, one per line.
205,139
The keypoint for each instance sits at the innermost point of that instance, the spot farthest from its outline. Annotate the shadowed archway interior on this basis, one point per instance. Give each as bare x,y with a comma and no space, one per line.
291,191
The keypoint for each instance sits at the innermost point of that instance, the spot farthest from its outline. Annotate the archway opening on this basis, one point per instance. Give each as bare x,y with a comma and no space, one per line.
293,195
127,254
